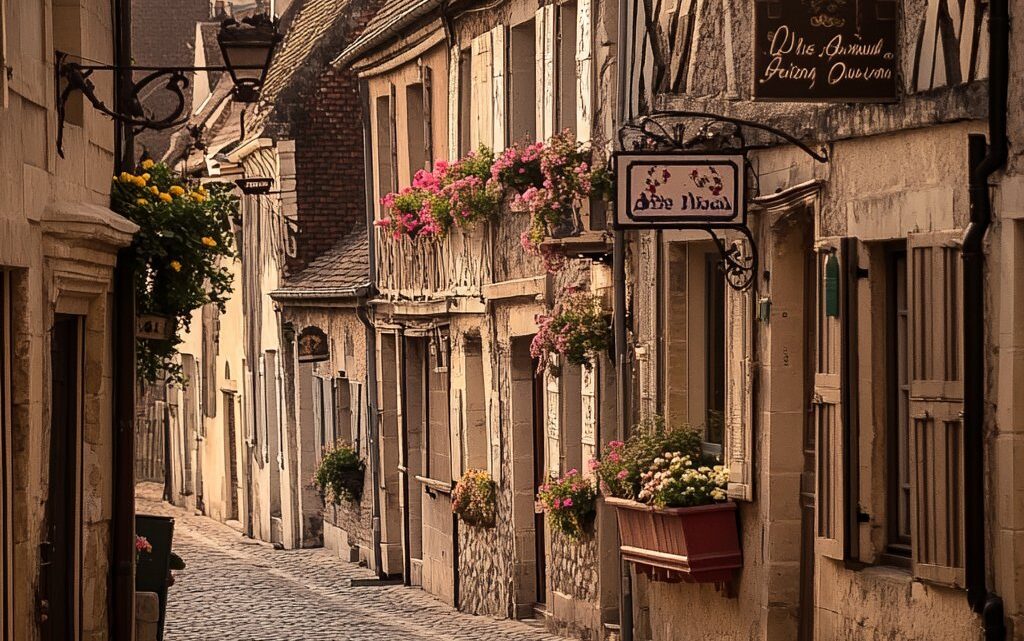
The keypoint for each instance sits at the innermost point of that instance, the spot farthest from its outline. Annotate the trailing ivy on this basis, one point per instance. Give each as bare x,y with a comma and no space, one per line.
179,253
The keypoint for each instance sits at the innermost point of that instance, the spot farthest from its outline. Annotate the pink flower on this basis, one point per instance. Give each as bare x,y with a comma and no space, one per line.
622,475
558,503
594,464
614,457
567,502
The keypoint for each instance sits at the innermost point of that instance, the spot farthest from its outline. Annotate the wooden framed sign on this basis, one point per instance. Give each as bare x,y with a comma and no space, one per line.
825,50
312,345
153,327
678,190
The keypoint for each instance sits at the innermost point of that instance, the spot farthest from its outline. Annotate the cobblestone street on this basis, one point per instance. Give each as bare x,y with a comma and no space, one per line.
236,589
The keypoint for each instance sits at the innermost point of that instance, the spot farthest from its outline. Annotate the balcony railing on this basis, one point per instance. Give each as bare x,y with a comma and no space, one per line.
430,268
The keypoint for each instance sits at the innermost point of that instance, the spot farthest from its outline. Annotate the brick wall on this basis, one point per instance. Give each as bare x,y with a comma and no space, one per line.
328,166
323,115
163,34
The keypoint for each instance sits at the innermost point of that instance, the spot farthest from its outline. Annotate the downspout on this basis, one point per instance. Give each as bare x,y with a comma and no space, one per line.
621,366
122,539
373,429
985,161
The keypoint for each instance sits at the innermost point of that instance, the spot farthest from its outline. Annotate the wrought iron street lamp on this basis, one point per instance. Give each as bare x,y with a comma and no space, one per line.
247,47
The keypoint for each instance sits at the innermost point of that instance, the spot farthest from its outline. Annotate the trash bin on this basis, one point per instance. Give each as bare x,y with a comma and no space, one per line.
152,568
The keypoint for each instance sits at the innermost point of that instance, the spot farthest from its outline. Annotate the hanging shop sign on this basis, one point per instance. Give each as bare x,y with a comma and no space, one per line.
312,345
153,327
831,51
677,191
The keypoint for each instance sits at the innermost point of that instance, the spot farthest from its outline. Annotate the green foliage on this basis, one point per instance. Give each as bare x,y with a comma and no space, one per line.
622,464
474,499
179,252
570,503
340,475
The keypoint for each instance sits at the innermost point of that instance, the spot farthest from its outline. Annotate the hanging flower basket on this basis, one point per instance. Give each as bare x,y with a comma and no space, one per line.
693,544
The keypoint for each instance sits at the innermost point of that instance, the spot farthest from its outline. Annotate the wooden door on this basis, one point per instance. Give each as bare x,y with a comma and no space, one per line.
59,549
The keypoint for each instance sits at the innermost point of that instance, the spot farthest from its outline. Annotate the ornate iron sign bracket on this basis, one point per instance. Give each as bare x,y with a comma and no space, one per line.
715,134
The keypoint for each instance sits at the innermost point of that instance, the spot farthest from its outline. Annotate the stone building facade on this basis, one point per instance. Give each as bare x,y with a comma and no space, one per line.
58,250
847,429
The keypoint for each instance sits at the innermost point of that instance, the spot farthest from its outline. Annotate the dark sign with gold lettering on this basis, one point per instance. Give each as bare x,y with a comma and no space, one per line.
312,345
825,50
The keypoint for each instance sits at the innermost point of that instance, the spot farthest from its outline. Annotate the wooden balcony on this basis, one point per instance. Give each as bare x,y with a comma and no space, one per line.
429,269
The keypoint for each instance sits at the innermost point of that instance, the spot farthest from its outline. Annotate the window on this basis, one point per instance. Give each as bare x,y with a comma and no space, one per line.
566,79
694,329
385,147
523,83
898,408
415,129
465,101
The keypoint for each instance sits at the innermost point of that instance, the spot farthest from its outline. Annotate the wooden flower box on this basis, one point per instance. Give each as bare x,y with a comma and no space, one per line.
692,544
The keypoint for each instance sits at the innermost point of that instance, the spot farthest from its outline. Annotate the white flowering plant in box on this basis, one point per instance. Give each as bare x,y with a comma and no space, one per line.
677,480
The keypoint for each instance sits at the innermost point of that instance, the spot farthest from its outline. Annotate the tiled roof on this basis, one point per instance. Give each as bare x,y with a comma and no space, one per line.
336,273
306,24
394,16
216,113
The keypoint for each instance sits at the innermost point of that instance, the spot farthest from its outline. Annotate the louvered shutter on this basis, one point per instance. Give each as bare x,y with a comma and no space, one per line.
330,427
393,132
739,392
553,423
480,93
584,70
428,116
545,50
498,118
936,401
829,420
454,65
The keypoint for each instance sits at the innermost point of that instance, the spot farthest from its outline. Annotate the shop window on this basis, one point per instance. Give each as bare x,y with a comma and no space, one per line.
694,335
523,83
415,133
566,79
897,451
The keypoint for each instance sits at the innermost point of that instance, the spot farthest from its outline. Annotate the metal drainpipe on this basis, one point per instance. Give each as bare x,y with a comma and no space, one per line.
619,276
984,162
373,429
122,594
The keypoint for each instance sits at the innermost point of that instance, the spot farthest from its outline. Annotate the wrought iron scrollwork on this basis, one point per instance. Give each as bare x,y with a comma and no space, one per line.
699,131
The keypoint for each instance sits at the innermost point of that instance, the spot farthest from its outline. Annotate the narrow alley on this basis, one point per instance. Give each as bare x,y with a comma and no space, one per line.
306,594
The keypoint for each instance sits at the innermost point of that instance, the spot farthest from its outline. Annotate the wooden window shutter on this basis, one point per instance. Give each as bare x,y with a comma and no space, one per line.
739,366
584,70
831,386
318,415
936,401
480,93
454,68
428,115
330,413
393,129
498,115
545,50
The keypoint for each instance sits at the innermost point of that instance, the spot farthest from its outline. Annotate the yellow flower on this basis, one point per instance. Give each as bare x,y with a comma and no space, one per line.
175,265
142,201
166,198
126,177
155,190
176,190
198,197
209,242
201,190
147,164
139,181
145,176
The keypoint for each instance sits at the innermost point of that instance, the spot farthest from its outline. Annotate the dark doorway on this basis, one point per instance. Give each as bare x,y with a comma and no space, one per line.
59,550
808,476
230,446
540,476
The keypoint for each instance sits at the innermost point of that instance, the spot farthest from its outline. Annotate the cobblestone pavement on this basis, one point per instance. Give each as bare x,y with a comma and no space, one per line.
235,589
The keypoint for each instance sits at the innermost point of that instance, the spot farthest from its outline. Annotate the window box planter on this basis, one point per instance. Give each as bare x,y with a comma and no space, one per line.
693,544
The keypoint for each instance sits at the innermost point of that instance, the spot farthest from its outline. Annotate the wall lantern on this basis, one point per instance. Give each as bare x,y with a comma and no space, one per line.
247,46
